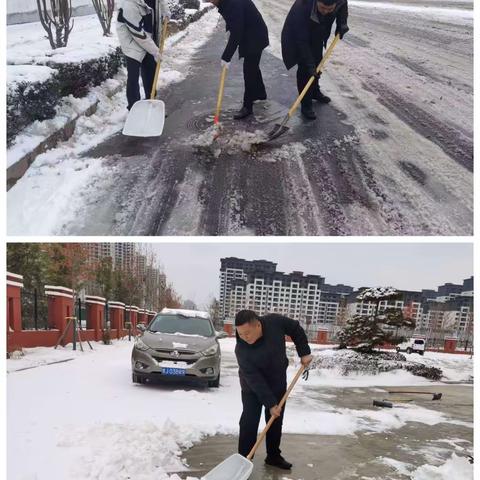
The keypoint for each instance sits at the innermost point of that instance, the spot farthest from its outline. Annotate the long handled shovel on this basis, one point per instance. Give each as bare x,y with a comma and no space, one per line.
147,117
237,467
281,128
216,118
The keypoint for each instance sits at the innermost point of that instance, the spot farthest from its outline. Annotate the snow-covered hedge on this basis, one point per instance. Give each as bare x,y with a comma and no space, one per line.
27,102
351,361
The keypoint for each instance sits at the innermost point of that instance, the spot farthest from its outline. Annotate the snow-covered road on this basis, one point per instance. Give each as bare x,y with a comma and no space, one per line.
391,155
85,419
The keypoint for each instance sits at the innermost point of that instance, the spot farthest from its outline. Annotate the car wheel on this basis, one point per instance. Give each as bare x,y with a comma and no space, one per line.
409,351
421,352
215,383
398,350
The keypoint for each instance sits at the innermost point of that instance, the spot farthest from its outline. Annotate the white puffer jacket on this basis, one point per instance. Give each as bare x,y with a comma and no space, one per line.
135,42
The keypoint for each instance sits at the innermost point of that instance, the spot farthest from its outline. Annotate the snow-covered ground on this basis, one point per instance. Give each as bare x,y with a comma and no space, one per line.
84,419
27,43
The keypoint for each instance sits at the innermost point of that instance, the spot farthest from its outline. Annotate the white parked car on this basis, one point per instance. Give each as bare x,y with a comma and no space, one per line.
414,345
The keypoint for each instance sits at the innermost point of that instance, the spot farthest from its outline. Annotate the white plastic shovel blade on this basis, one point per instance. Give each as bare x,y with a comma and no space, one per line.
235,467
145,119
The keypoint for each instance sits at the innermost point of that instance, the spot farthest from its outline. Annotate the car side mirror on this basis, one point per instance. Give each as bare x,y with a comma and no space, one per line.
141,327
221,334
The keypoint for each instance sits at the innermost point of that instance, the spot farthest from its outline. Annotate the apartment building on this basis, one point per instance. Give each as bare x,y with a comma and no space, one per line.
257,285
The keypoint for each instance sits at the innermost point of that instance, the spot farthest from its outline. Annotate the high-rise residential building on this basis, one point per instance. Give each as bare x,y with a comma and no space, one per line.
257,285
123,255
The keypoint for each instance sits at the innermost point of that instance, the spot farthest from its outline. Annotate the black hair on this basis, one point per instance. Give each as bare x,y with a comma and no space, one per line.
245,316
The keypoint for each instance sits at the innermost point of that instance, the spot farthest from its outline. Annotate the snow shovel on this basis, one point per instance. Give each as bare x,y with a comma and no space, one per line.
281,128
147,117
237,467
216,118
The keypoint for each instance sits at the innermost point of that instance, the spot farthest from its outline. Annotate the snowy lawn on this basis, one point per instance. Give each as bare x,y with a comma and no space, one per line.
85,419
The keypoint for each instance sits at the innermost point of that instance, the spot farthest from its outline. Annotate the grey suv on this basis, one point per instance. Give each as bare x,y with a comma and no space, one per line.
177,344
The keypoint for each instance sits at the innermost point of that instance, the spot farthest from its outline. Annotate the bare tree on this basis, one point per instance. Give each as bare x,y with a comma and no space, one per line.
104,9
56,19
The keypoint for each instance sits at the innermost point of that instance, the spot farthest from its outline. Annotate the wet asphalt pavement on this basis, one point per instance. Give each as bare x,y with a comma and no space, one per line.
340,175
176,190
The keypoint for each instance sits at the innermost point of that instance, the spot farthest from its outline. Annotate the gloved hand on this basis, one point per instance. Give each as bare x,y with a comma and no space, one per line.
225,64
158,56
342,30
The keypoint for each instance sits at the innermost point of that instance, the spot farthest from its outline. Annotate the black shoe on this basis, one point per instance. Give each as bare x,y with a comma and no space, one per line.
320,97
278,461
243,113
308,113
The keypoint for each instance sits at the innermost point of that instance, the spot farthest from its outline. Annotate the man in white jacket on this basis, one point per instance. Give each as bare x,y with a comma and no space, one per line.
139,24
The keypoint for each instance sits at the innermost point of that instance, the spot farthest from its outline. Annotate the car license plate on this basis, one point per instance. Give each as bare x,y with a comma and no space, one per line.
173,371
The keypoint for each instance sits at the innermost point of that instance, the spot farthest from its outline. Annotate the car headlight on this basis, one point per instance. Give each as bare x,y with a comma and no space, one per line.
210,351
140,345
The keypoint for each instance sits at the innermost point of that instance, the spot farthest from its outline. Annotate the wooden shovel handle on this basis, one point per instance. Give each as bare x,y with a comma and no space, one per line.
216,119
312,78
272,419
157,70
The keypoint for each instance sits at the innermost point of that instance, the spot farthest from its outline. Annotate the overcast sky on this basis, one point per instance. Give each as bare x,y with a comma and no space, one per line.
193,268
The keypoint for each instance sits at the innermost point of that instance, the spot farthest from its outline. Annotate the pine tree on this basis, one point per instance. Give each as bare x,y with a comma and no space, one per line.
369,331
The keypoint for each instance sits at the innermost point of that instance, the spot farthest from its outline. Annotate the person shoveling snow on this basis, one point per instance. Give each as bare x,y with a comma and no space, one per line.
139,24
305,34
248,33
262,360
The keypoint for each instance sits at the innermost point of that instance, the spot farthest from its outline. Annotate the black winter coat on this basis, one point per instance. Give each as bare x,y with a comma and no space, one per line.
302,38
248,31
263,365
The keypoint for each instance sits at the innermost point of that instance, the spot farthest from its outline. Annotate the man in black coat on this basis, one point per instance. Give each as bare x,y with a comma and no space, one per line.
248,33
262,361
305,33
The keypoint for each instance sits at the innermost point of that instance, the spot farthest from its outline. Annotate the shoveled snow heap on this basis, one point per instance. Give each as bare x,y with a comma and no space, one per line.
454,467
212,140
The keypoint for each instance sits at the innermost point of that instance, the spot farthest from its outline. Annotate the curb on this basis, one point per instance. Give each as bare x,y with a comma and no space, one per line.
16,171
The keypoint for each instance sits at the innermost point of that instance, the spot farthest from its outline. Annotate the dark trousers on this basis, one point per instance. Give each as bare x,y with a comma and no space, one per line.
303,76
252,75
134,69
249,421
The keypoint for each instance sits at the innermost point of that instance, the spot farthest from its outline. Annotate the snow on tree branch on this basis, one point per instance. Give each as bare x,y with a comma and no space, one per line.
378,293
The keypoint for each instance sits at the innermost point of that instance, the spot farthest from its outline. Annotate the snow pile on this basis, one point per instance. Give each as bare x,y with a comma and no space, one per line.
329,363
347,362
244,141
454,467
455,367
215,141
350,361
156,450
